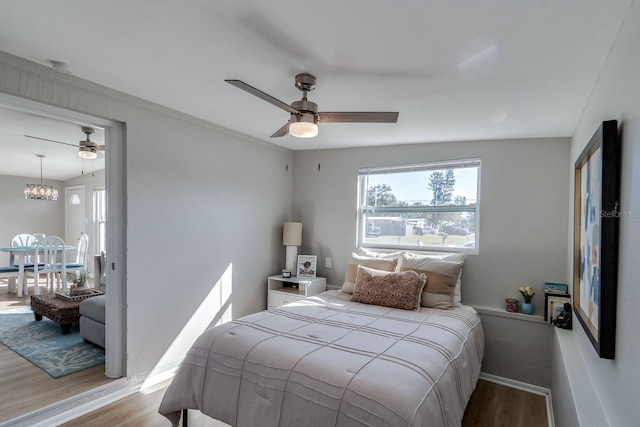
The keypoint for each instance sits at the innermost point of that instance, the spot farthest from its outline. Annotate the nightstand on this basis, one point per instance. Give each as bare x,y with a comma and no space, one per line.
283,291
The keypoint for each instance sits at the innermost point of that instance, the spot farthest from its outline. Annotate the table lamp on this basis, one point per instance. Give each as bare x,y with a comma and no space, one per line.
291,238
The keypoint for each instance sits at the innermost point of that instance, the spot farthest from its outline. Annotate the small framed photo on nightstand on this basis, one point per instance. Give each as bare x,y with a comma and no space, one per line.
307,265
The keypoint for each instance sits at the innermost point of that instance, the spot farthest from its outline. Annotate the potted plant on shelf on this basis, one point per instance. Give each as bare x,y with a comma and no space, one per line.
527,293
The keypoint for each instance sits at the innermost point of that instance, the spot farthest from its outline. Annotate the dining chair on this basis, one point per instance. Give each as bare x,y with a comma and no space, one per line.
50,255
81,255
23,239
9,271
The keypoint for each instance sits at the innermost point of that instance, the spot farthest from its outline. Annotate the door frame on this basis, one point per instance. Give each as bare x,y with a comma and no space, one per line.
115,314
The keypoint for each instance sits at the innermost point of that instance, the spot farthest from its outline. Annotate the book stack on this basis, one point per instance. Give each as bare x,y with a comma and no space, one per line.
555,295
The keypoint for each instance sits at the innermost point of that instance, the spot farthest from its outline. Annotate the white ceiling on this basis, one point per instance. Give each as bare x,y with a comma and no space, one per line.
453,69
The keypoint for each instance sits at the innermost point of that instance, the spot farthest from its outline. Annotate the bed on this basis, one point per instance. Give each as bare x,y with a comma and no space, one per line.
329,361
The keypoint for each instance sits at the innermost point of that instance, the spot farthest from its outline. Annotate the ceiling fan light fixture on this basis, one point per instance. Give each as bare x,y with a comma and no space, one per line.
87,152
88,149
304,126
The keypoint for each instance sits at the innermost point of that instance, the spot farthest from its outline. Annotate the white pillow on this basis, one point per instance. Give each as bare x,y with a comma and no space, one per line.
409,258
374,254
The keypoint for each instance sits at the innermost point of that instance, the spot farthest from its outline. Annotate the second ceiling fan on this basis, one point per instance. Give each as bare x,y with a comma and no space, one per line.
87,149
304,113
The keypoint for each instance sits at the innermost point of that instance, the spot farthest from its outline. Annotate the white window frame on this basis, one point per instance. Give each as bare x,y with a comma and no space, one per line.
99,219
364,210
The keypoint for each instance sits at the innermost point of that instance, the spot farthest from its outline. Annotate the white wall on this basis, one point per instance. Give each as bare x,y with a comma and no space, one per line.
616,383
205,208
523,229
19,215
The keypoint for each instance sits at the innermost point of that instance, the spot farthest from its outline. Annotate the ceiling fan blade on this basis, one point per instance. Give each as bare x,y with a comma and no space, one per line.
281,132
260,94
52,140
91,144
359,117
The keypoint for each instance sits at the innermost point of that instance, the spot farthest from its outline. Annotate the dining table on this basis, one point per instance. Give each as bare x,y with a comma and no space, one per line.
17,256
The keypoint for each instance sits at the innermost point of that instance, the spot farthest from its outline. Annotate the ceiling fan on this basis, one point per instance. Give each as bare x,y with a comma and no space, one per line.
87,149
304,113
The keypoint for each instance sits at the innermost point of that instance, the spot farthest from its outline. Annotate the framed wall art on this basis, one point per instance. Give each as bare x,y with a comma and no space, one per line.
307,265
595,235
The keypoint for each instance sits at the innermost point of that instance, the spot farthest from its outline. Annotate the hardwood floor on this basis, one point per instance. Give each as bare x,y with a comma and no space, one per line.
491,405
140,410
25,387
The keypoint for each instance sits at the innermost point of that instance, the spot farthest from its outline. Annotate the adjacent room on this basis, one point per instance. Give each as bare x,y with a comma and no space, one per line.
328,200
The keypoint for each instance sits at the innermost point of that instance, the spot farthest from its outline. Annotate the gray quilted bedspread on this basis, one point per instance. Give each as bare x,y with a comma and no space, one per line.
327,361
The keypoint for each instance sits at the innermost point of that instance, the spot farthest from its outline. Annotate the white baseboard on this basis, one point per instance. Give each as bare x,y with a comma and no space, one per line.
531,388
75,406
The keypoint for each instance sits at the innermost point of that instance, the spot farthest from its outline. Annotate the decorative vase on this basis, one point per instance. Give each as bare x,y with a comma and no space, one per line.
526,308
80,289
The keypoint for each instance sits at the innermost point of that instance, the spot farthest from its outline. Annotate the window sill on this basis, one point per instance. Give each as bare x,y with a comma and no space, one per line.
501,312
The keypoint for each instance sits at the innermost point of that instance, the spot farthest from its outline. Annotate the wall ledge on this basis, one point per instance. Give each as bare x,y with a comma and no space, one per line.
583,395
501,312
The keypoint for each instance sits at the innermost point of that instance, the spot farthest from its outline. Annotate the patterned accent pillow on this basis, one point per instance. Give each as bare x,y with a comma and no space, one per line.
443,275
386,264
398,290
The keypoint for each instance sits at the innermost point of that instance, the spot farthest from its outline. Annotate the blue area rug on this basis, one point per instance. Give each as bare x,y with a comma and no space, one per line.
43,344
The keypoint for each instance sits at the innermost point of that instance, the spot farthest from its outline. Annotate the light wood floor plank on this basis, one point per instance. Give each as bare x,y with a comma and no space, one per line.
140,409
494,405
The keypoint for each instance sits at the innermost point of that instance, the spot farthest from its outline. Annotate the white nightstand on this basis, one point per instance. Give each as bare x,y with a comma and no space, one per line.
283,291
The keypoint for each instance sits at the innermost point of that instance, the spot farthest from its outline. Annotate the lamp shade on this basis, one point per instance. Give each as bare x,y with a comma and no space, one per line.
292,234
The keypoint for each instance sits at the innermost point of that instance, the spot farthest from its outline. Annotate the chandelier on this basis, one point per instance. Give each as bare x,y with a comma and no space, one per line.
40,191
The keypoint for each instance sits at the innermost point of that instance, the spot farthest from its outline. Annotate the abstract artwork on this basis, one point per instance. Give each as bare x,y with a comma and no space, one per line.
595,250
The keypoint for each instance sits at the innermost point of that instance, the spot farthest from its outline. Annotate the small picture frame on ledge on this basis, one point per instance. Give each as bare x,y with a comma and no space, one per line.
307,265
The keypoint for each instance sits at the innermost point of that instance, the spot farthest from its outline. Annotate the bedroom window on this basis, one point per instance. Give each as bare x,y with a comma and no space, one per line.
431,206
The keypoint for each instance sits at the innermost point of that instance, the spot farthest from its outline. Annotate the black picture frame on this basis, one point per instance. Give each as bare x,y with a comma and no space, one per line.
595,235
552,302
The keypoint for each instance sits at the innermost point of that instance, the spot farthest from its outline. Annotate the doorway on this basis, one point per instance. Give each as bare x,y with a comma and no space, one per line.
74,215
115,364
